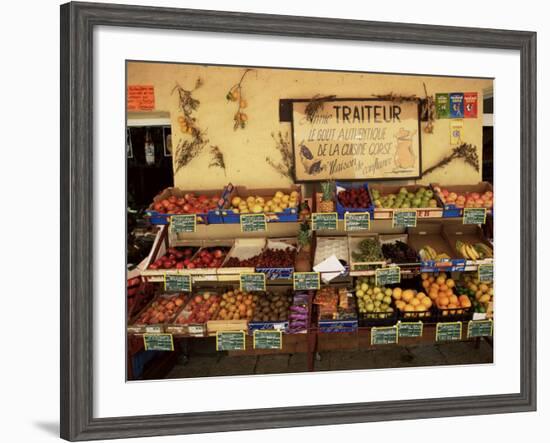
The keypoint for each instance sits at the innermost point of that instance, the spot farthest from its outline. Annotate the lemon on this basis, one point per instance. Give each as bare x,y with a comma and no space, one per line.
257,209
236,201
294,195
250,200
279,195
285,198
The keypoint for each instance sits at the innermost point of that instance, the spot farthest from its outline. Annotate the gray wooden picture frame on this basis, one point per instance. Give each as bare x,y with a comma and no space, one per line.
77,24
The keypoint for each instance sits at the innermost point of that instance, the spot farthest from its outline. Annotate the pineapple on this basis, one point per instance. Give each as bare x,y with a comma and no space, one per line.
304,237
327,203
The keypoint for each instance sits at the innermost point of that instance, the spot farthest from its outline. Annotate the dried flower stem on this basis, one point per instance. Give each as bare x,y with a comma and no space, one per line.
217,158
235,94
286,166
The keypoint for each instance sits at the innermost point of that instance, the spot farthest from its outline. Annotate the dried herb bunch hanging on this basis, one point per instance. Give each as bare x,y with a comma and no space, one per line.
465,151
286,166
217,158
235,94
316,104
187,149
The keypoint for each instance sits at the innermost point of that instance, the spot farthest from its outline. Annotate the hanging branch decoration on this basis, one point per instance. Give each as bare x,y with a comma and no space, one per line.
235,94
186,150
217,158
428,111
465,151
315,105
286,166
427,106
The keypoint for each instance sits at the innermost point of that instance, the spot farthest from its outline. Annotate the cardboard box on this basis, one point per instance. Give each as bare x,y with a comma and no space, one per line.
278,273
356,265
387,213
450,209
135,327
471,234
160,218
243,248
213,326
229,216
432,234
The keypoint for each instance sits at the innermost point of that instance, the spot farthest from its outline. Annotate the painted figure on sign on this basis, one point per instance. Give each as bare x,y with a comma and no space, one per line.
405,157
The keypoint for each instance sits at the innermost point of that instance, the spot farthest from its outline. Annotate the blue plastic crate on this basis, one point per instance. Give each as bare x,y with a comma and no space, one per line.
332,326
341,209
276,273
267,325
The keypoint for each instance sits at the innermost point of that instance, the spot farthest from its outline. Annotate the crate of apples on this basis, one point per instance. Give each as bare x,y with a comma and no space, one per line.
188,203
199,309
352,198
161,310
465,199
185,258
440,289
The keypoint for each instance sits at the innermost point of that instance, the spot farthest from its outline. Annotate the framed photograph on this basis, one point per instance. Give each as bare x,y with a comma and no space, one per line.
320,247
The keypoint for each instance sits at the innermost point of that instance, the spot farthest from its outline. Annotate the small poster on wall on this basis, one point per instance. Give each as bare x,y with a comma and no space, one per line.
348,139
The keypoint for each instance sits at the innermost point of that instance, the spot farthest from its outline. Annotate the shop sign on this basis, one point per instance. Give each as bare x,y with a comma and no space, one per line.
267,339
324,221
141,98
356,221
158,342
357,139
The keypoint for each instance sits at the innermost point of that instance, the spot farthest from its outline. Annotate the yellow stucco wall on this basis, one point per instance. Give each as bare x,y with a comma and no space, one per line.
245,150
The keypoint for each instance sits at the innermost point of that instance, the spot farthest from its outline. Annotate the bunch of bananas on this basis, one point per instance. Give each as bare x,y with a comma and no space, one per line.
428,253
476,251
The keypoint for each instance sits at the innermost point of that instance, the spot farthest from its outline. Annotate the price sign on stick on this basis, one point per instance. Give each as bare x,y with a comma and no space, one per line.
448,331
252,281
388,276
305,281
268,339
474,216
404,218
158,342
480,328
410,329
324,221
357,221
177,283
384,335
183,223
230,341
253,223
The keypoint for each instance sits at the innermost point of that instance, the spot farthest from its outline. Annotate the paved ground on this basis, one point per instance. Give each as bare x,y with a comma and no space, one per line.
209,365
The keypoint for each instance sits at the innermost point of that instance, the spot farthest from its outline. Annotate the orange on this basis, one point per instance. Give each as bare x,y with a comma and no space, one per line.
415,302
434,294
440,280
425,284
449,292
431,279
426,302
420,295
450,283
424,276
453,299
443,300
